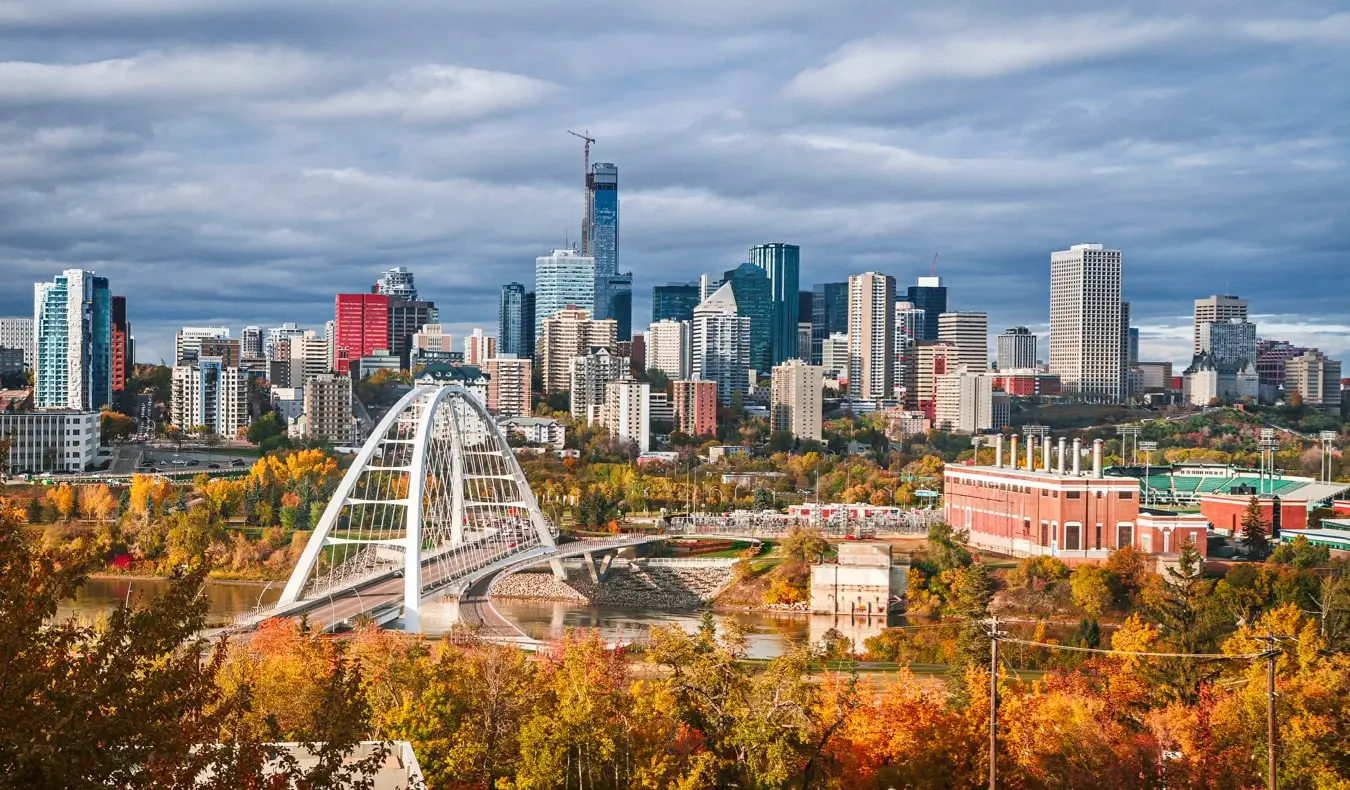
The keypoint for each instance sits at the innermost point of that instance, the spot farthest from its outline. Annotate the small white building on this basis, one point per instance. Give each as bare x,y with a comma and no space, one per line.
53,440
862,582
537,430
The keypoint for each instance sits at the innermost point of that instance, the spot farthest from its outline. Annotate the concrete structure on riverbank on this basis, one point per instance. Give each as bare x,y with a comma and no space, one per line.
862,581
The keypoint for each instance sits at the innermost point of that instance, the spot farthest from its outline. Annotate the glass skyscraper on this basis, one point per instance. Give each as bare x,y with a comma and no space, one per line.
930,296
72,319
750,285
511,320
675,301
782,263
829,315
613,290
561,279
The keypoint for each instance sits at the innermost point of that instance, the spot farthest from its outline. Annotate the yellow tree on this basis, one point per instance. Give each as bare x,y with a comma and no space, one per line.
62,498
98,503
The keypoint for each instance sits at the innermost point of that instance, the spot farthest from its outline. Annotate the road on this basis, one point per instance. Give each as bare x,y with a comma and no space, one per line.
126,460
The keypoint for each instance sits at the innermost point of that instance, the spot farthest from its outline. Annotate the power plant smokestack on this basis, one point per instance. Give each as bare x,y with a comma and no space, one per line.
1097,459
1012,454
1031,452
1062,451
1077,455
998,451
1045,453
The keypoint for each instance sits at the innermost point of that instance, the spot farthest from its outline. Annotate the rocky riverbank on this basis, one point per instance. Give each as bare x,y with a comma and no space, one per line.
661,587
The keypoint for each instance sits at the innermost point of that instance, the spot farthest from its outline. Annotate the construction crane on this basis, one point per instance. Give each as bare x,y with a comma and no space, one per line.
932,267
586,188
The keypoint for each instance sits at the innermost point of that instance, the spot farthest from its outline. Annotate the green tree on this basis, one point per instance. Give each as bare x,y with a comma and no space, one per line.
264,428
1179,603
1255,536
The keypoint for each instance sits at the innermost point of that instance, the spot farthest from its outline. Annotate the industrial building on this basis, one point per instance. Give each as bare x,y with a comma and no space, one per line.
862,580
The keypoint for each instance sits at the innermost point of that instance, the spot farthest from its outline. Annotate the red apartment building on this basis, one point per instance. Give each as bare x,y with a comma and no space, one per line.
1075,516
361,327
695,406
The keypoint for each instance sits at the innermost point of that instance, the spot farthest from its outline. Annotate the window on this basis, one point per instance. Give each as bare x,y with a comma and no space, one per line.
1073,494
1124,535
1071,535
1127,495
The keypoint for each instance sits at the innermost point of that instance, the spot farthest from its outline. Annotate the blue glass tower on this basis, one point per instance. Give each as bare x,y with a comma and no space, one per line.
613,290
511,320
829,315
930,296
675,301
72,318
752,290
782,263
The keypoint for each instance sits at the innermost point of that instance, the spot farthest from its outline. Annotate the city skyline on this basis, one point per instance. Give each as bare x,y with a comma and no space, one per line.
473,170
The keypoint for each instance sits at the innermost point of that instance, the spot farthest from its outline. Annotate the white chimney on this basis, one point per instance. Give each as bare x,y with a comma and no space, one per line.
1062,451
998,451
1012,454
1097,459
1045,453
1077,455
1031,452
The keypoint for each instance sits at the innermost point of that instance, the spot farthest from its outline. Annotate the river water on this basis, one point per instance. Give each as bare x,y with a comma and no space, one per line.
768,633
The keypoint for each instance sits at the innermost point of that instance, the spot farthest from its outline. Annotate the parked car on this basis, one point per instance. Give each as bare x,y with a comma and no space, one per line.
213,466
237,462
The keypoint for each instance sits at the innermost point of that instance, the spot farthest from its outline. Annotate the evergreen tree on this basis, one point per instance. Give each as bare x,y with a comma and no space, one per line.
123,502
1186,624
1255,536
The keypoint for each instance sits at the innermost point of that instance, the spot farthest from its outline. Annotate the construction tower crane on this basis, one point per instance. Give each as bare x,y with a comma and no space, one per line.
586,190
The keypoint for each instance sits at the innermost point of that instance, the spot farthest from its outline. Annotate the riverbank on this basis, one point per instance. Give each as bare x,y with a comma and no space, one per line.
668,588
235,579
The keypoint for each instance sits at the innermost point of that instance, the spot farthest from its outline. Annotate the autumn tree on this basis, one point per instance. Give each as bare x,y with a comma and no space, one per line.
1090,588
1255,536
1178,603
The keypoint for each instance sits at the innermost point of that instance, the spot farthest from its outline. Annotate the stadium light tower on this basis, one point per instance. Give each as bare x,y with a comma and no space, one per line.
1268,445
1129,432
1327,437
1148,448
1033,433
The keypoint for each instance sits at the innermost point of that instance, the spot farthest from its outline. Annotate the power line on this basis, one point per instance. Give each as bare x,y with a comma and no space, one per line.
1075,648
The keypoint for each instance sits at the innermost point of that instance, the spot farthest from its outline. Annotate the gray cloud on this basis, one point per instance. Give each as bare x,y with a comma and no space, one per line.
241,162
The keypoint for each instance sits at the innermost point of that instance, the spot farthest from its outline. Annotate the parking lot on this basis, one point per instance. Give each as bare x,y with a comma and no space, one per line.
193,459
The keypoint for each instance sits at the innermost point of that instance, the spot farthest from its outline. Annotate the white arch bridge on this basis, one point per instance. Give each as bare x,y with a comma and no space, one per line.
434,506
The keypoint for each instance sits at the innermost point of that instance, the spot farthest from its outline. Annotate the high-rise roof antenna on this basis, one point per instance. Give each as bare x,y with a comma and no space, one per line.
586,190
932,267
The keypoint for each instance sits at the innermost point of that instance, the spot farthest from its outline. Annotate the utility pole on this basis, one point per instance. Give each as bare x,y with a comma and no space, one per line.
994,634
1271,653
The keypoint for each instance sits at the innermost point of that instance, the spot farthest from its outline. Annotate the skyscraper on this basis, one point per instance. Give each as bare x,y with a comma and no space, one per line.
1219,307
527,321
120,344
668,348
406,318
1230,344
563,278
361,325
795,399
753,292
479,347
72,324
398,283
908,324
569,333
1016,349
782,263
721,344
829,315
511,320
871,336
930,296
968,333
675,301
1086,348
251,343
613,289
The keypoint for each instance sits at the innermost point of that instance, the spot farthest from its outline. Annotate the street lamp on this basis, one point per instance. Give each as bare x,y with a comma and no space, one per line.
1033,432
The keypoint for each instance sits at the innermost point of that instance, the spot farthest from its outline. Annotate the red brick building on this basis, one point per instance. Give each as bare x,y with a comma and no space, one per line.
695,406
361,326
1224,511
1077,517
1028,383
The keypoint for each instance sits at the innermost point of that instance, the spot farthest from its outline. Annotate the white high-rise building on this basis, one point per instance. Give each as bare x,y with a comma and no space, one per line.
570,333
627,412
1216,308
251,343
1016,349
909,323
1316,379
208,393
1086,344
187,342
795,404
720,338
398,282
327,411
17,332
562,279
72,336
479,348
278,334
834,355
669,347
590,376
871,336
963,401
309,358
968,334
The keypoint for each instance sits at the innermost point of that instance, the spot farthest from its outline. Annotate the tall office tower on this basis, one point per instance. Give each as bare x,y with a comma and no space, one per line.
1271,356
478,347
908,324
278,334
187,342
613,289
721,344
930,296
330,336
968,333
621,303
834,355
1230,344
627,412
397,283
871,336
588,373
708,285
570,332
511,320
829,315
668,348
561,279
251,342
675,301
963,401
361,326
328,409
405,320
782,263
120,351
72,326
208,392
17,332
931,359
804,341
509,386
1316,379
1219,307
1016,349
528,332
1085,329
1134,347
1125,380
695,406
753,293
795,399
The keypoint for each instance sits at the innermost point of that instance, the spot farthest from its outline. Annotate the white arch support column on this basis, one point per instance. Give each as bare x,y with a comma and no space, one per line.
412,552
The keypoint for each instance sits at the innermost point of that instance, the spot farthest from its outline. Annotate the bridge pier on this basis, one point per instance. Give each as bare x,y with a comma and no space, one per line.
598,572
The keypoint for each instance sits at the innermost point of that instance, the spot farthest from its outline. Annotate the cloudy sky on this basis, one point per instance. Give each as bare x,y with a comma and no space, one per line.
240,161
